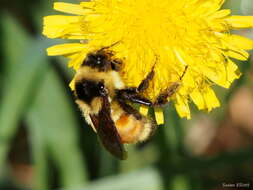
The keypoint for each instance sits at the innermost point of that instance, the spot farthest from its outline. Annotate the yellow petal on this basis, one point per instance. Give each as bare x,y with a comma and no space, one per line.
232,71
210,99
182,107
237,41
179,56
198,99
64,49
159,116
143,110
238,54
60,20
77,61
220,14
211,6
72,84
70,8
238,22
88,4
241,42
56,26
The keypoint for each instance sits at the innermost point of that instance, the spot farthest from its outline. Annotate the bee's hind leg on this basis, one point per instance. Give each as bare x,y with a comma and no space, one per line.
162,98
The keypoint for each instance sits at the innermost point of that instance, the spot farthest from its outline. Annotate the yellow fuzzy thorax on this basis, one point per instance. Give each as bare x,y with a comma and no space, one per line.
166,34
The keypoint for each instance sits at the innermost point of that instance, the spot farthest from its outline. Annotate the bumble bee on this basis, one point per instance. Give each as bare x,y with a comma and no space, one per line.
104,101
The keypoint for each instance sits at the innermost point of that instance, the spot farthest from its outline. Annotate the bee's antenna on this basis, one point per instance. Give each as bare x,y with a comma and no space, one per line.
107,47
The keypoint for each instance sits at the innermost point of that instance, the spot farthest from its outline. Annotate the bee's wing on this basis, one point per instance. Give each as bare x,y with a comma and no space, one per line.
107,131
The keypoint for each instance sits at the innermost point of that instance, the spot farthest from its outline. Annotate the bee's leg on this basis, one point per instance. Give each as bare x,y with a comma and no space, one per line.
145,82
172,89
140,100
129,109
133,93
116,64
162,99
130,94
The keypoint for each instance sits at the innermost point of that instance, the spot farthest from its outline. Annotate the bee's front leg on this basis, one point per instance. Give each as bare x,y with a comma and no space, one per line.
131,94
145,82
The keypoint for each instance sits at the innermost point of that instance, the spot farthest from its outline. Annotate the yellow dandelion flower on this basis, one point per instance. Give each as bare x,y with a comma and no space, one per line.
166,34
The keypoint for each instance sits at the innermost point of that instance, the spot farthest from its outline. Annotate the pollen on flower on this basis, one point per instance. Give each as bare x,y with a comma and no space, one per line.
166,34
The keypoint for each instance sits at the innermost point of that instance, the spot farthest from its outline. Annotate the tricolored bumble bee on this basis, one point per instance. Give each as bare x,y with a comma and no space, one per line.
105,102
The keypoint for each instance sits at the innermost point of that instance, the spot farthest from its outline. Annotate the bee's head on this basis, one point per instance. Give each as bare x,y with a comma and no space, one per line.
86,90
101,60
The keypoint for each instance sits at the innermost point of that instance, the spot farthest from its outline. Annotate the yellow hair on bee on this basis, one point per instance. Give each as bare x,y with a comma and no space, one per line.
111,79
93,108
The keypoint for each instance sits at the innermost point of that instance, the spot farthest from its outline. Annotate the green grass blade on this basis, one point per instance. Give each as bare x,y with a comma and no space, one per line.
52,114
23,67
146,179
39,155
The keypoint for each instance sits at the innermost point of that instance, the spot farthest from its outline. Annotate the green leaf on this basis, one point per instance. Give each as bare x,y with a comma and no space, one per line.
39,155
52,116
24,68
146,179
26,65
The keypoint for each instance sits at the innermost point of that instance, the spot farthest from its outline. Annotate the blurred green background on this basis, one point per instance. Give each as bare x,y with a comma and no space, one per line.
46,145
